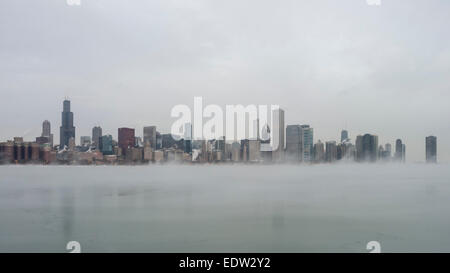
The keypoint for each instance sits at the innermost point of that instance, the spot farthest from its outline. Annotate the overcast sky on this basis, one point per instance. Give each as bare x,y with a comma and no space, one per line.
331,64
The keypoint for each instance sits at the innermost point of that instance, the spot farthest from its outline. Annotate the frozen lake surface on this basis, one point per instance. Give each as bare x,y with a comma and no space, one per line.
232,208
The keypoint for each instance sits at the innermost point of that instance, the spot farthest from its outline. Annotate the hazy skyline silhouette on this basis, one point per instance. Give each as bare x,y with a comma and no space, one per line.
331,64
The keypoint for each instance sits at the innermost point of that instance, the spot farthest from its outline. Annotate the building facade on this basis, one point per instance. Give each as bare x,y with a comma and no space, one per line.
106,145
96,136
294,143
431,149
67,130
367,148
126,139
150,136
307,134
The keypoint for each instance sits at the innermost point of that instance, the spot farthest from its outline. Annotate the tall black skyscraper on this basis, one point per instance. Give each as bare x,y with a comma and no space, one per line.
67,130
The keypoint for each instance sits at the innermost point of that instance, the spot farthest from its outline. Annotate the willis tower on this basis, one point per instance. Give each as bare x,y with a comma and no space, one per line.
67,130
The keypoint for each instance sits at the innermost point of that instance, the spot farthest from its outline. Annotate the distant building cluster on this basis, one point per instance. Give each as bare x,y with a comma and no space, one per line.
295,145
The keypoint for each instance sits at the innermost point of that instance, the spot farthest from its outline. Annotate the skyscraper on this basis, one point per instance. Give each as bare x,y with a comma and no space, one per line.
96,135
388,150
367,148
344,135
431,149
106,145
307,134
398,150
46,128
319,151
150,136
47,132
385,152
126,139
67,130
331,151
293,143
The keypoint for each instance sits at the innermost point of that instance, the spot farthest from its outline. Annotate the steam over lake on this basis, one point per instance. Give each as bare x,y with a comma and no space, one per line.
229,208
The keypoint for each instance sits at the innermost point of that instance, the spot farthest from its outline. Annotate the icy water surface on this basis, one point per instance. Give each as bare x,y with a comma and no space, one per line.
234,208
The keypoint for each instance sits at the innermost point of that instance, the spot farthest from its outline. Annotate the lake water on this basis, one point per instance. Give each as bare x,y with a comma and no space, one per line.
233,208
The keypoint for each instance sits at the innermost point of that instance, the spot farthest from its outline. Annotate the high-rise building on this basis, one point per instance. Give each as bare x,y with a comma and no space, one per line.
7,152
319,152
385,152
150,136
106,145
293,143
235,151
46,128
126,139
67,130
388,149
344,136
47,132
244,149
307,134
367,148
339,151
431,149
96,136
398,150
347,150
331,151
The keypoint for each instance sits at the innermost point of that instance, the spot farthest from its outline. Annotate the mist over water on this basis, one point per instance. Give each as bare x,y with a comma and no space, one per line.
229,208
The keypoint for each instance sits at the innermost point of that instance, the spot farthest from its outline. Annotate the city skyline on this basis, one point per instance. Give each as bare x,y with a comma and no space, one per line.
310,57
287,143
